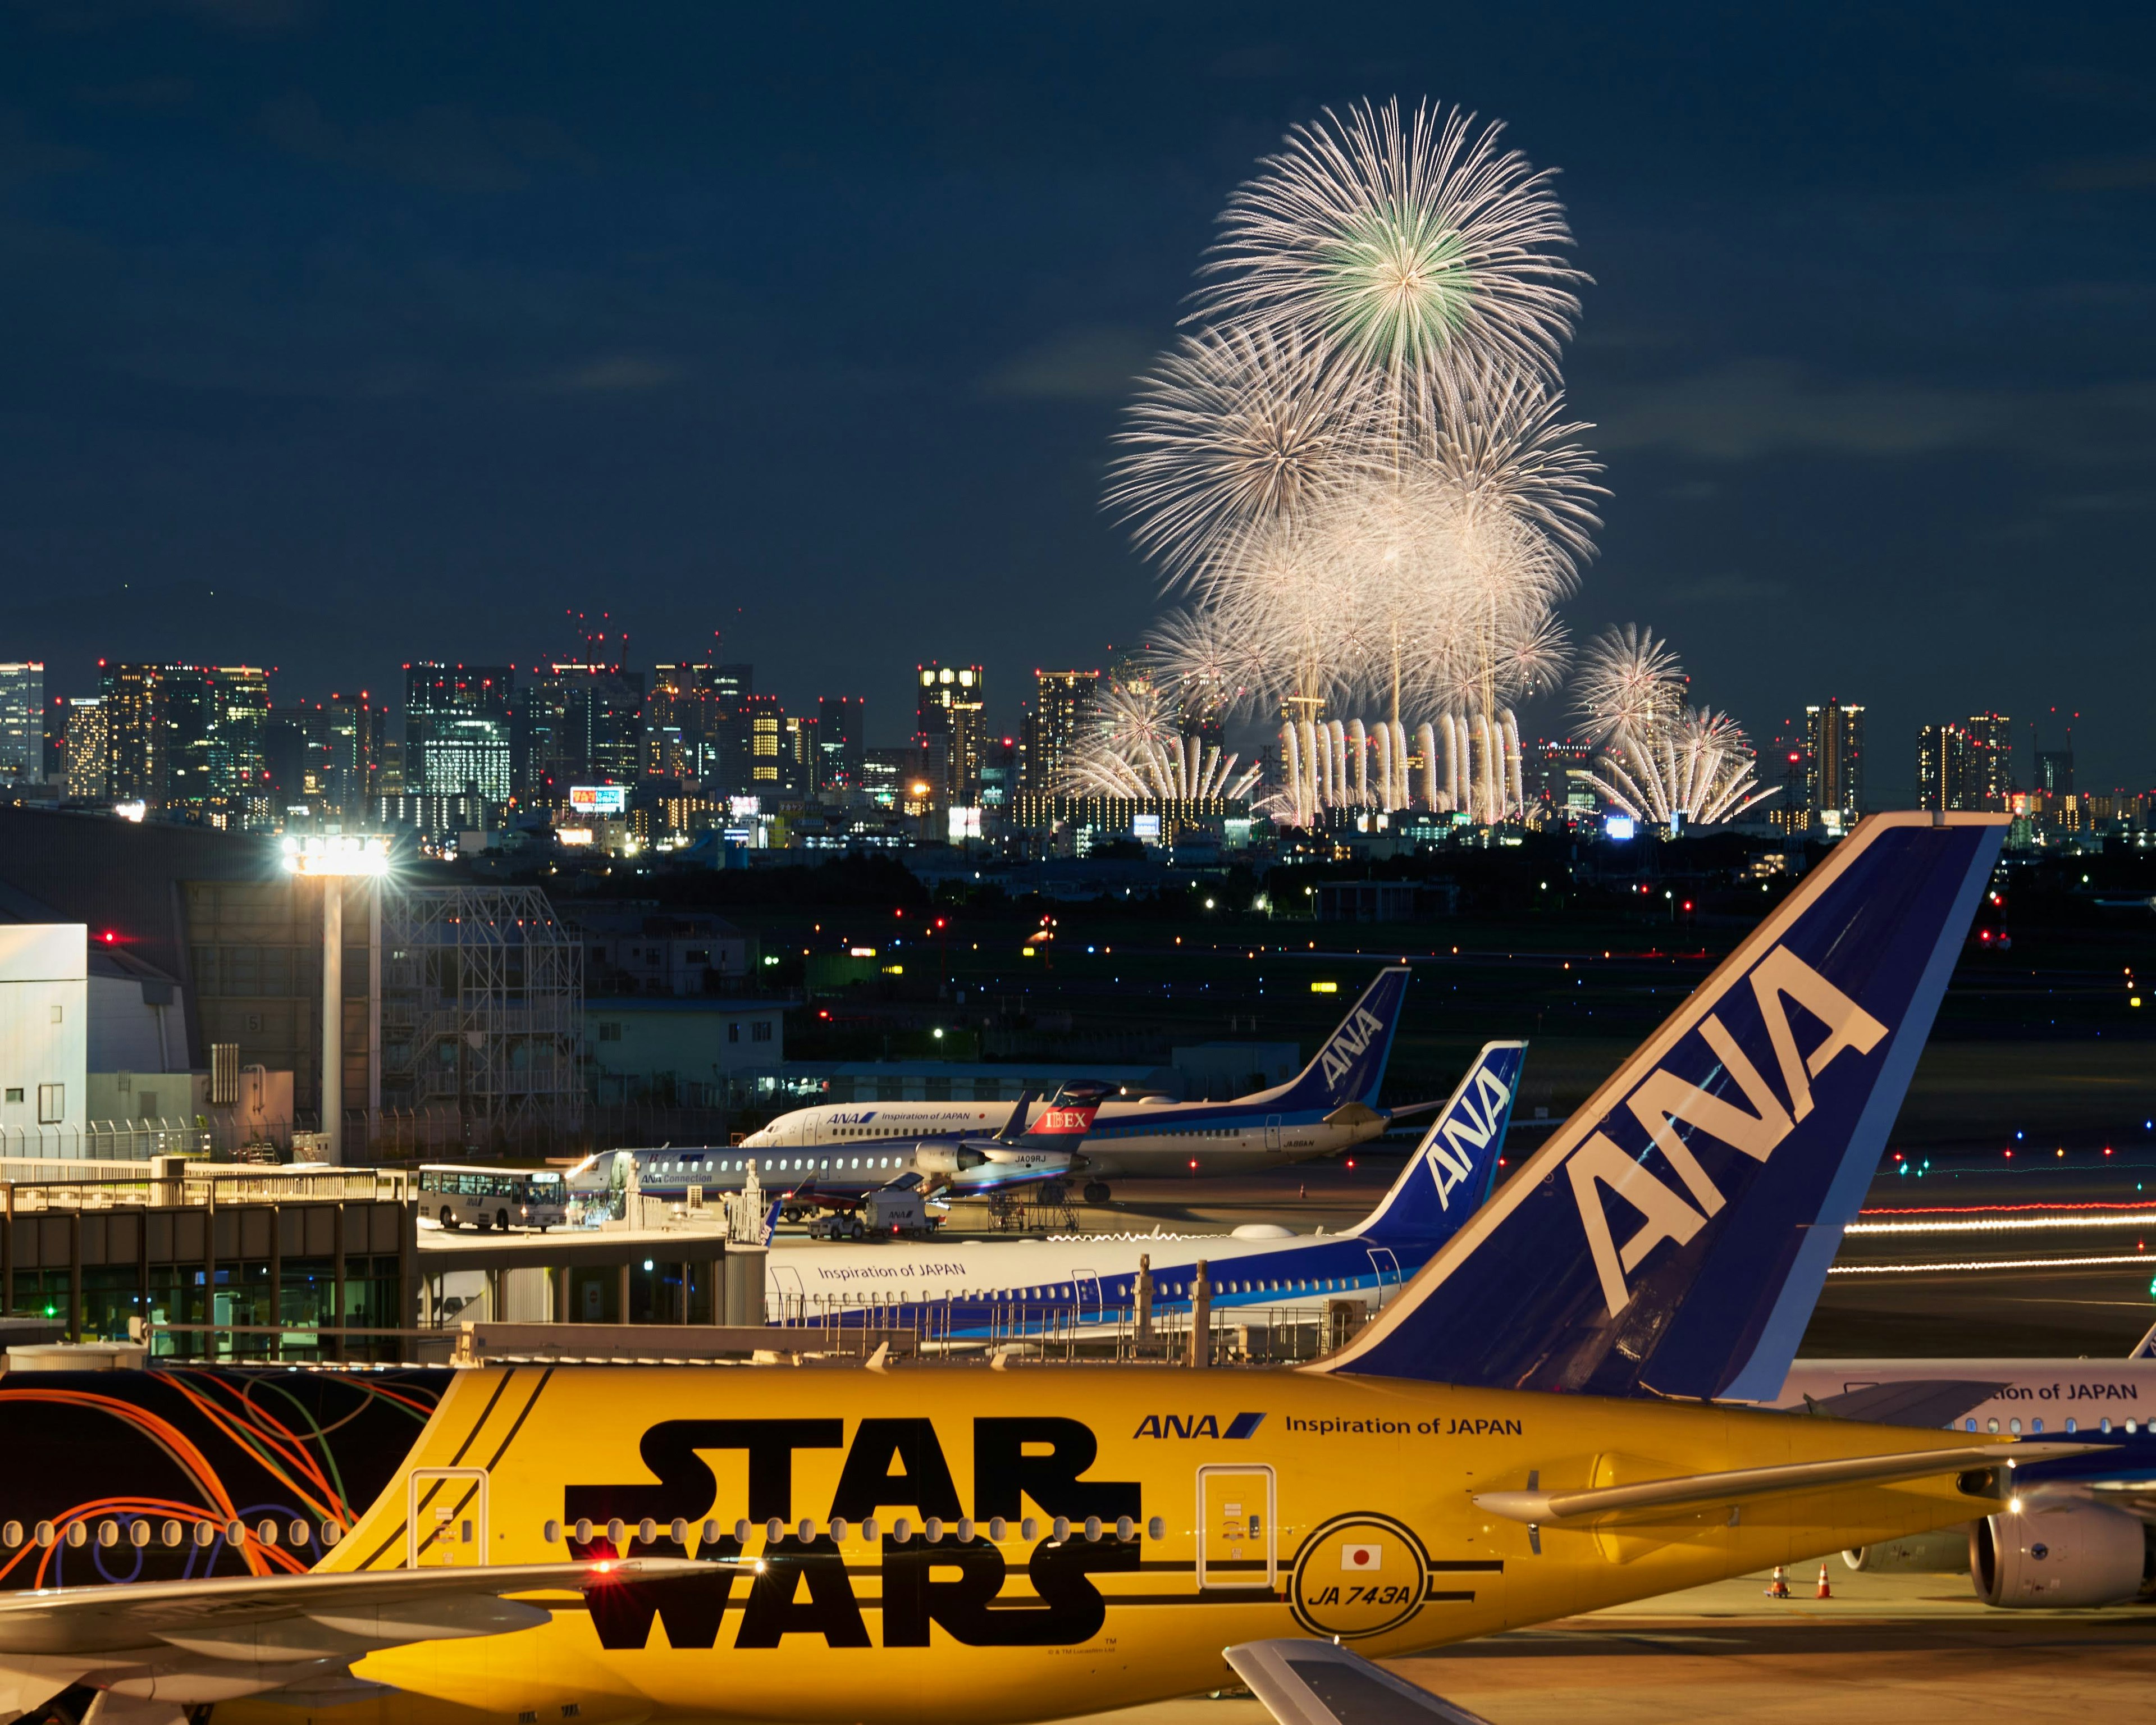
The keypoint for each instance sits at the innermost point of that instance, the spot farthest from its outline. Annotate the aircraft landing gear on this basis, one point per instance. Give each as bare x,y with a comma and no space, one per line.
1096,1191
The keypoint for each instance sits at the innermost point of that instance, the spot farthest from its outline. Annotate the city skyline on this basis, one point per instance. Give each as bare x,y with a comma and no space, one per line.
1920,420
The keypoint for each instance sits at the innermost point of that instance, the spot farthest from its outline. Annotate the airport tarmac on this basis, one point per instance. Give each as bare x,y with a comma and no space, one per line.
1901,1649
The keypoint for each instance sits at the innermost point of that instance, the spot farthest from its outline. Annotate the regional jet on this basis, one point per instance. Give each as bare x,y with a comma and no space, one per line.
1330,1106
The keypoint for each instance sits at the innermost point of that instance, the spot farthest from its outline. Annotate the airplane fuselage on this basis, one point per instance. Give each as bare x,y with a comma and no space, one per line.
1001,1288
953,1545
1125,1138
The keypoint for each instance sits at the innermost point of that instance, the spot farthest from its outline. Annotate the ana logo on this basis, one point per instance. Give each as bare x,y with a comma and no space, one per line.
1661,1099
1196,1425
1473,1123
1348,1044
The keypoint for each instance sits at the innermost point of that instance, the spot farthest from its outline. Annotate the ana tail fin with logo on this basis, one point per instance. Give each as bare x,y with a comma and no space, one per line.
1672,1236
1351,1064
1451,1171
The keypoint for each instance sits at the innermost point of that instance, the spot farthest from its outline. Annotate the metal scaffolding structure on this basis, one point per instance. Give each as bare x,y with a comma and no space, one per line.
482,1008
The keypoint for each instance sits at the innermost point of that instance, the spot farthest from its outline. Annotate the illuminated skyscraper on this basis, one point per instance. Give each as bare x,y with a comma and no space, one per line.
133,716
950,730
763,722
1053,727
89,749
458,728
1943,767
22,721
1990,760
1834,740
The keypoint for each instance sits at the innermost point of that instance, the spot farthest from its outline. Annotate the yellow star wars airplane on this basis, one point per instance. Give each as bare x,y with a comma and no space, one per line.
527,1546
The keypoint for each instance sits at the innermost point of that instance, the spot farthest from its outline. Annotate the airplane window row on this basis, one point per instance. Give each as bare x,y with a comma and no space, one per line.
2014,1426
140,1531
735,1165
648,1532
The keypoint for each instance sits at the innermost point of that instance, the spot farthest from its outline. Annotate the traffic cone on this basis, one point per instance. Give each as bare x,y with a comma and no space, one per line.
1778,1588
1824,1591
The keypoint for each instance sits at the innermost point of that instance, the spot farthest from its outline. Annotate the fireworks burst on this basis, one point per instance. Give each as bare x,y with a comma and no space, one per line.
1136,749
1411,246
1661,761
1234,432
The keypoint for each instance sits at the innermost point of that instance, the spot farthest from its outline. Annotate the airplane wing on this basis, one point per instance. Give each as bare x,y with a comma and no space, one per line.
1323,1683
386,1606
1649,1498
154,1648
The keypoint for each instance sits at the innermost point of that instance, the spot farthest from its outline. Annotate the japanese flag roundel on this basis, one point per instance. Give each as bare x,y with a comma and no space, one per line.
1363,1559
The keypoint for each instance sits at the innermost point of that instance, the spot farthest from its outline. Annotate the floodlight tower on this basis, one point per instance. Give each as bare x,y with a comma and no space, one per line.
335,860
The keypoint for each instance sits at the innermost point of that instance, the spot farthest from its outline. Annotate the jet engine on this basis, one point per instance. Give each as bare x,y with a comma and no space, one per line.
946,1159
2078,1554
1945,1552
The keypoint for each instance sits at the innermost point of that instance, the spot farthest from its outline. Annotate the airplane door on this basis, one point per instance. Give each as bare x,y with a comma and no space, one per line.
446,1517
1389,1272
792,1297
1272,1132
1089,1296
1235,1544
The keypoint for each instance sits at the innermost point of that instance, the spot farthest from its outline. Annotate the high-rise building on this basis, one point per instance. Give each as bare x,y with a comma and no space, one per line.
89,751
1054,726
765,756
1943,767
458,729
133,731
950,729
804,760
577,724
22,721
1834,743
1991,759
2054,772
841,739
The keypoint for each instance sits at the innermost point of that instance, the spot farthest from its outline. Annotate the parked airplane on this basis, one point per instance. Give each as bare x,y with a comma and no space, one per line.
1015,1288
1331,1106
978,1547
949,1164
2079,1531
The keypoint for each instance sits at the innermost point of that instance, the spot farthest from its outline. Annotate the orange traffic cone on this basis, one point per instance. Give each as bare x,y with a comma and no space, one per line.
1824,1591
1778,1588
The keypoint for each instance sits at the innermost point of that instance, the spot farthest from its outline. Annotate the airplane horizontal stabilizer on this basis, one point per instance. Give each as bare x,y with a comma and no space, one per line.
1323,1683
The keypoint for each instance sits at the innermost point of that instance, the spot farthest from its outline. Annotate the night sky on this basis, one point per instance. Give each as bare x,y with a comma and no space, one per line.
336,337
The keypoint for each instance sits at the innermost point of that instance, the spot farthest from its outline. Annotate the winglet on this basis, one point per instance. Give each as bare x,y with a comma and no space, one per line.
1321,1683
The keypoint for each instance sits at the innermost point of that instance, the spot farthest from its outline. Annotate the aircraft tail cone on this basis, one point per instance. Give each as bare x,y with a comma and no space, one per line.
1824,1591
1778,1588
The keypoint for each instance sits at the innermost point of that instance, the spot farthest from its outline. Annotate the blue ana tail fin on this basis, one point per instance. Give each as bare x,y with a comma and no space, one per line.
1672,1237
1351,1066
1450,1173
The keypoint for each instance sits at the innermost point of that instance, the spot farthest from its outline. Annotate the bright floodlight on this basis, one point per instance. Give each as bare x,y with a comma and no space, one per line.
336,855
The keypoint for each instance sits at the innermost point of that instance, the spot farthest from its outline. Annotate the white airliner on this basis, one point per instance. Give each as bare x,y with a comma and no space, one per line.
2075,1533
1331,1106
987,1289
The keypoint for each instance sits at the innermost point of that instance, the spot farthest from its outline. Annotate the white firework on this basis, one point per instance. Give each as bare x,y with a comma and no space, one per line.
1412,245
1630,683
1661,761
1214,672
1135,749
1236,431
